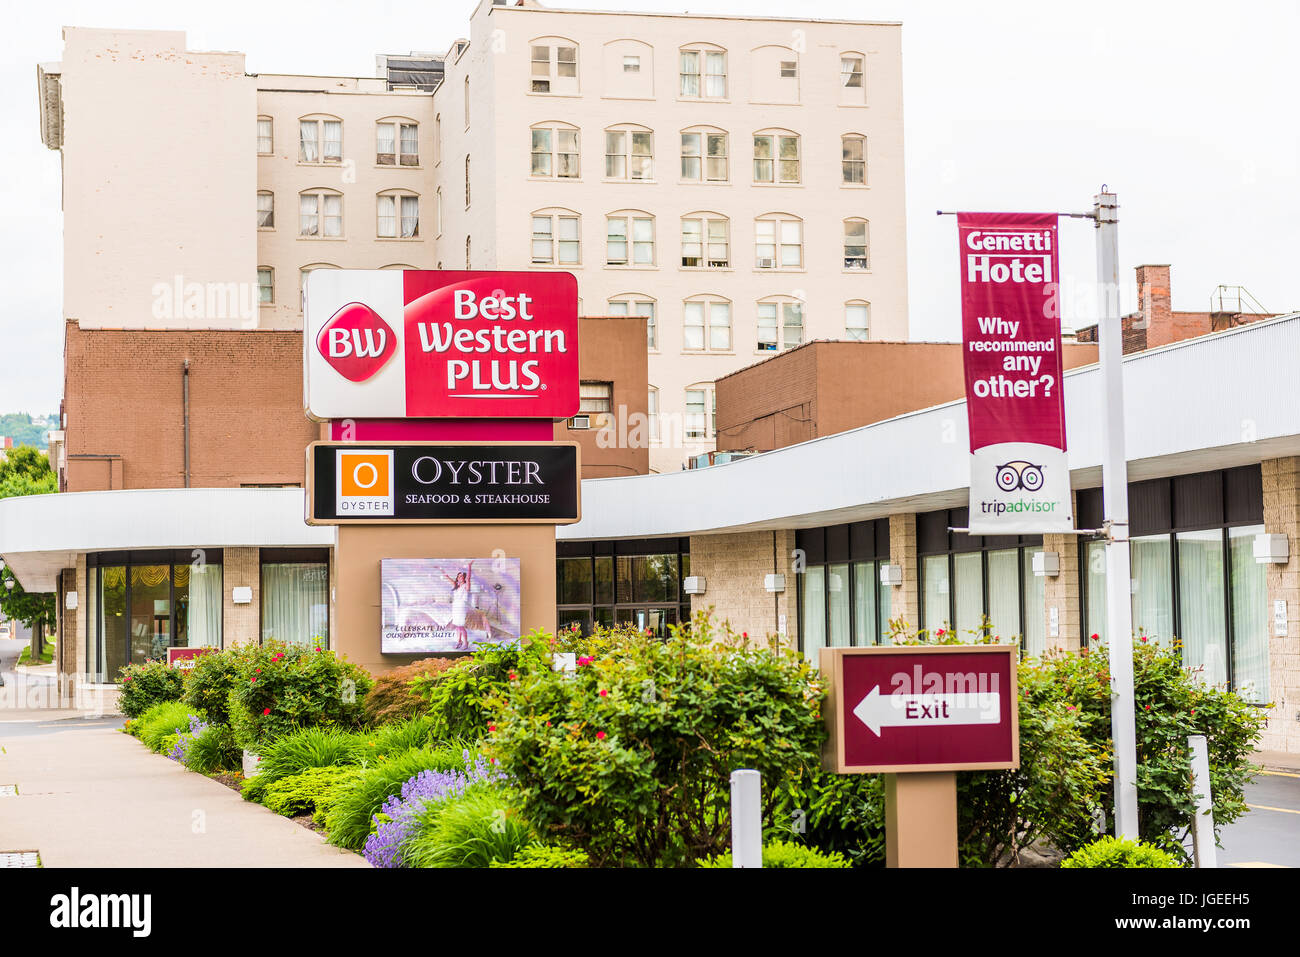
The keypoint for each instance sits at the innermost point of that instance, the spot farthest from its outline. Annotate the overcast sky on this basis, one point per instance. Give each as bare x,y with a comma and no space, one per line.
1187,110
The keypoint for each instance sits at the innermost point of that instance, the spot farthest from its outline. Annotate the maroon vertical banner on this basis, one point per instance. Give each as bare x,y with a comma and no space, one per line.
1011,349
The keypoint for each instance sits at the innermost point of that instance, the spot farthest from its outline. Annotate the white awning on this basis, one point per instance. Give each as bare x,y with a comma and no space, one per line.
42,534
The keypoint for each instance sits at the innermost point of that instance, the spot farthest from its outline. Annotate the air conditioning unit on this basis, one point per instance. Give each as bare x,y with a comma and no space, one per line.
766,263
541,86
580,422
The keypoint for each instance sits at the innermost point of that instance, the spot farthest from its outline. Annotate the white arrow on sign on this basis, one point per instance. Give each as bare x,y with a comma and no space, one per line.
878,711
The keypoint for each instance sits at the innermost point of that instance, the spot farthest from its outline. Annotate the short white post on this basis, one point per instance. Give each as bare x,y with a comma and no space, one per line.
746,819
1203,820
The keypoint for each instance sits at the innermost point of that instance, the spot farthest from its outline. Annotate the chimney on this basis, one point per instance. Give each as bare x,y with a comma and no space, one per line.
1155,305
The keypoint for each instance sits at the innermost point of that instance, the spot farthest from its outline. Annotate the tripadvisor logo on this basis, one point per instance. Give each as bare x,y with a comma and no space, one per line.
75,910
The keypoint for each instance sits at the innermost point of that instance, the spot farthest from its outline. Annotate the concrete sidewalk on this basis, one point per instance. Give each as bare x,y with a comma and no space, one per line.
91,796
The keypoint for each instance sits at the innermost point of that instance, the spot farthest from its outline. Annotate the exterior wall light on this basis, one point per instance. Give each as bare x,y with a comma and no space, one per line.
1047,564
241,595
1272,549
774,583
70,601
891,574
693,584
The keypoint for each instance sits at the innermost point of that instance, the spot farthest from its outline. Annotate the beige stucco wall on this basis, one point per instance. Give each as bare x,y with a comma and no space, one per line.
733,567
504,194
142,115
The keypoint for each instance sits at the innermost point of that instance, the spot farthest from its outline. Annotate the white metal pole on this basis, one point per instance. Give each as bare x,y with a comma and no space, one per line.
746,819
1203,819
1114,473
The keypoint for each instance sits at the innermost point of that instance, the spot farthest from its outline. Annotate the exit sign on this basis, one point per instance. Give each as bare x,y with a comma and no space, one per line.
897,708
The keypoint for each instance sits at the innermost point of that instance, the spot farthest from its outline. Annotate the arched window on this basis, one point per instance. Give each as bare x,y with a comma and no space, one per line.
557,237
320,214
706,241
704,155
397,266
304,272
700,421
437,212
467,181
853,159
630,238
397,215
320,139
397,142
265,209
265,137
776,75
857,320
857,244
629,70
706,324
554,66
554,150
652,412
776,157
637,304
265,285
778,241
467,256
702,72
466,102
853,80
780,323
629,153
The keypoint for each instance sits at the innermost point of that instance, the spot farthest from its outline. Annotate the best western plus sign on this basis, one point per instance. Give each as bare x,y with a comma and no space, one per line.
468,345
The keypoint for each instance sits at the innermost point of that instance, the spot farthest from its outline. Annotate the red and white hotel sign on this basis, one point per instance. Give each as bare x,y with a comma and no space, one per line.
917,708
391,344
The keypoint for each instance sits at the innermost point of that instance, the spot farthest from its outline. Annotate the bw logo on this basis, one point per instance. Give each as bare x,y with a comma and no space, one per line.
1016,475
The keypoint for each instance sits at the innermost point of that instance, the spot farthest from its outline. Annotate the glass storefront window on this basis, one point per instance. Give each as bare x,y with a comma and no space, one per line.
837,590
1094,582
112,621
865,580
604,565
151,612
1035,627
1250,624
1203,623
814,611
295,602
1153,601
573,583
198,605
969,591
1004,591
934,572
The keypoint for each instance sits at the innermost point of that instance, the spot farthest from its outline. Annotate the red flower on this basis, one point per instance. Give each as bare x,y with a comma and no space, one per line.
492,727
603,692
600,735
744,634
1069,707
1093,637
128,678
939,633
259,671
548,724
1142,638
253,680
1148,707
585,660
266,711
513,676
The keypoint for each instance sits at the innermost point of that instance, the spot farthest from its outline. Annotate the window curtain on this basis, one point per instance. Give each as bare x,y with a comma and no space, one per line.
1095,582
865,579
837,586
1201,605
1250,624
295,602
969,590
307,130
934,571
1153,596
1004,592
203,615
814,611
1034,627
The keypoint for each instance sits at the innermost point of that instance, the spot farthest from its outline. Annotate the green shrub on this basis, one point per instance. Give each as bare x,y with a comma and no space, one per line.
474,828
399,736
213,749
280,688
1120,852
350,819
629,757
309,791
835,813
146,685
786,854
209,682
457,696
298,751
394,699
163,720
545,855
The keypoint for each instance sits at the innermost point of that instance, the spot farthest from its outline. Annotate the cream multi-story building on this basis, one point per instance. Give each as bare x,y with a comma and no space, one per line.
737,180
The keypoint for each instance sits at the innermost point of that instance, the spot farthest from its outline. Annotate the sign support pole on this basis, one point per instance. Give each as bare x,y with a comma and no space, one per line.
1114,471
921,819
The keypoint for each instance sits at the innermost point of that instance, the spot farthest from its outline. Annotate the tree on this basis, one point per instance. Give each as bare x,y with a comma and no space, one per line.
26,471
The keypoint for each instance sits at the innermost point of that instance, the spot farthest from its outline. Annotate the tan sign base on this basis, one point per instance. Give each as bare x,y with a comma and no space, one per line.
921,819
355,606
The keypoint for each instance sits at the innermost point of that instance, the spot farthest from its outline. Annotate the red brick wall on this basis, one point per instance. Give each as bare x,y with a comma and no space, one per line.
123,399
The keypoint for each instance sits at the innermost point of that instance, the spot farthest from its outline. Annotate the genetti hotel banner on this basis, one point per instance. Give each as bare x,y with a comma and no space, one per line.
1011,344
